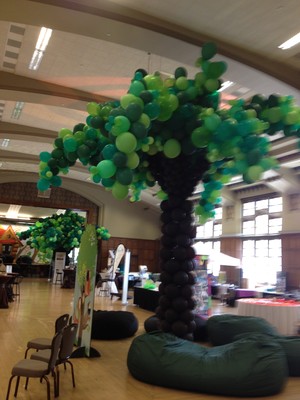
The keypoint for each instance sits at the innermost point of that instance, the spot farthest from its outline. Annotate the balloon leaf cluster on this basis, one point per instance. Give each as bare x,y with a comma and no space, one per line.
174,117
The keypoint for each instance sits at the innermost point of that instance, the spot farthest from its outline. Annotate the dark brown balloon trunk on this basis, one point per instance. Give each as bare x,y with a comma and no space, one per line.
178,178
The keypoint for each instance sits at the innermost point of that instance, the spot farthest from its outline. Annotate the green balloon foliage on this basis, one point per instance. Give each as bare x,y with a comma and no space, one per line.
172,119
59,232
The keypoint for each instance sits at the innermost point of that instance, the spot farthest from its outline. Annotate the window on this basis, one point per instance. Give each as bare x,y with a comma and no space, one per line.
212,228
262,216
211,249
262,220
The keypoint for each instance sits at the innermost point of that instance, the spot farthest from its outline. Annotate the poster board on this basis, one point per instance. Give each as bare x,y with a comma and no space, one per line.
85,292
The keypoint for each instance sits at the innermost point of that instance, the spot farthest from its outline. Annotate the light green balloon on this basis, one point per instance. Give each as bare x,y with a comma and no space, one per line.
129,98
126,142
182,83
200,137
212,122
119,191
122,123
133,160
153,82
172,148
254,172
212,85
145,120
64,132
93,109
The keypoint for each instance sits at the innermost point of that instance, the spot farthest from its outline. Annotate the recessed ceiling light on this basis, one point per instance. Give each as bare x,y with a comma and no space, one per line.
17,111
40,47
290,42
5,143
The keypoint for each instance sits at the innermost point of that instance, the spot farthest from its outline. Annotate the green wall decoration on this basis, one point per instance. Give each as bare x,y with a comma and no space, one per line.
173,133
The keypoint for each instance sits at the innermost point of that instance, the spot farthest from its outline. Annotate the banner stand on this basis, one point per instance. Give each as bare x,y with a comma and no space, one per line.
84,293
125,277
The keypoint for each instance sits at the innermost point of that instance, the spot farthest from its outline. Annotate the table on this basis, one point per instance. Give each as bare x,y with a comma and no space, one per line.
145,298
284,315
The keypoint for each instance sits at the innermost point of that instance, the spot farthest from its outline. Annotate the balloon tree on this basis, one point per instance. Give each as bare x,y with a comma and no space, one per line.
59,232
173,133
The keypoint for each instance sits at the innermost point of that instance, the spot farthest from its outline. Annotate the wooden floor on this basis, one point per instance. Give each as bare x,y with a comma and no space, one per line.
104,378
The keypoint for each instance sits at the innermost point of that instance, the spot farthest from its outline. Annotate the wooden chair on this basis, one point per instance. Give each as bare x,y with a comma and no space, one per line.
65,352
29,368
42,343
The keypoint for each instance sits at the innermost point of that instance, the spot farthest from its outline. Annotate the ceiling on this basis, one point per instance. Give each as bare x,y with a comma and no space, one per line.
97,45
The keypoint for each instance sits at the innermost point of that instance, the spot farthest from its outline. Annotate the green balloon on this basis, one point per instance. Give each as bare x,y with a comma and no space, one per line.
172,148
45,156
153,82
91,133
119,191
120,159
122,123
254,172
83,151
134,111
106,168
64,132
209,50
200,137
109,151
212,85
212,122
130,99
152,109
126,142
43,184
124,176
136,88
182,83
216,69
180,71
70,144
57,153
56,181
93,109
138,129
58,142
96,178
108,182
133,160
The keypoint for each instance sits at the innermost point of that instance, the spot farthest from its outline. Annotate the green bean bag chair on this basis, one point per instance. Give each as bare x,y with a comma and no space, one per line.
250,367
221,329
291,347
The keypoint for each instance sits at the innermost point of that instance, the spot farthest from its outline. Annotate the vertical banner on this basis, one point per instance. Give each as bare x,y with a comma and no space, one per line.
84,291
119,254
125,277
59,263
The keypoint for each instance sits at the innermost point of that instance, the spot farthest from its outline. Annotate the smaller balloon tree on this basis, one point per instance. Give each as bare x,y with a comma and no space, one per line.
59,232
